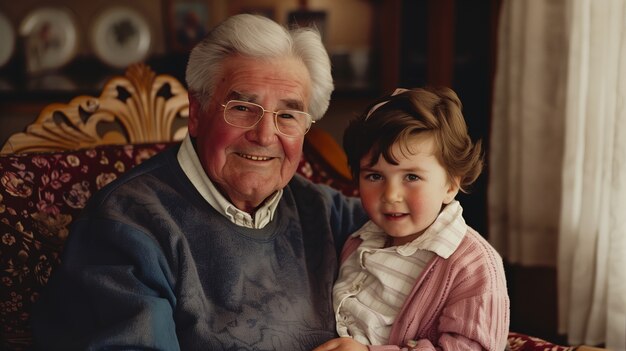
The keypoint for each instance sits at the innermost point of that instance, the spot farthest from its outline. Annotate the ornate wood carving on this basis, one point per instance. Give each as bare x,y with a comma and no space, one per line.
138,107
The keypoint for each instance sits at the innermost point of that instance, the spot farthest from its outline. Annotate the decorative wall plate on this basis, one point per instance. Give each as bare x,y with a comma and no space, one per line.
121,36
50,38
7,39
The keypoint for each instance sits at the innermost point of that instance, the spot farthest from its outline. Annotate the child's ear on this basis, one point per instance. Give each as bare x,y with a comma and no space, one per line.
453,189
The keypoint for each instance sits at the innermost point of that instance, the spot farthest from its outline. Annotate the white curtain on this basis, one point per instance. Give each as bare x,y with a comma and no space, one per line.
592,235
557,181
527,132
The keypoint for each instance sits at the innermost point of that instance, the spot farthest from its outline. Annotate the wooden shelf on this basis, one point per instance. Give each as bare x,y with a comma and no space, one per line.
84,75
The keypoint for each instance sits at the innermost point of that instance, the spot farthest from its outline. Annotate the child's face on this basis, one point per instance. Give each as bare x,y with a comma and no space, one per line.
405,199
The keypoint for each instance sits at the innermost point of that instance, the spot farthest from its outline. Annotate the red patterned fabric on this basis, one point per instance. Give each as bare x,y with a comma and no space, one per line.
40,195
521,342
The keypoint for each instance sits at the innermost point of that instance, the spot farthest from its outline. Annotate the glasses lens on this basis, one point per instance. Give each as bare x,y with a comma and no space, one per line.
246,114
293,123
242,114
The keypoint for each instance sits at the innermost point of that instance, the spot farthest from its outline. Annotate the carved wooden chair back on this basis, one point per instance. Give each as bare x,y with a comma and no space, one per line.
139,107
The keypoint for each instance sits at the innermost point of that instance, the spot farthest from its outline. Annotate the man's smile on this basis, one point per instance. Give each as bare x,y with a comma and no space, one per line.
254,158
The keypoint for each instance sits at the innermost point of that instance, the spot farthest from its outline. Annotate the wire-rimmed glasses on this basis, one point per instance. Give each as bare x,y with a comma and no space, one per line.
244,114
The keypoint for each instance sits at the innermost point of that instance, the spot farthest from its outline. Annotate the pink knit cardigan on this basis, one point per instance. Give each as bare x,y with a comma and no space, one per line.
458,303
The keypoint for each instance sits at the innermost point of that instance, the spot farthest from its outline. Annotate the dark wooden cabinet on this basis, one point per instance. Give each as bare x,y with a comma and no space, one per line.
443,43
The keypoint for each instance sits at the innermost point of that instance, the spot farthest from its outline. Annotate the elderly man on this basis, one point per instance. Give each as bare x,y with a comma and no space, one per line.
214,244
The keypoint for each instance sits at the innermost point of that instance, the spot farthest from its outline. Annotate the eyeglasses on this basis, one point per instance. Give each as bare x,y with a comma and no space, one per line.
245,114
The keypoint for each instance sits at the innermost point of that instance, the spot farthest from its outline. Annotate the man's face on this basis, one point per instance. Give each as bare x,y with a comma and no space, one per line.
248,165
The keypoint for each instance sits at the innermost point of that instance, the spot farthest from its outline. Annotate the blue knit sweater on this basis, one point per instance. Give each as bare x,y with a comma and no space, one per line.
151,265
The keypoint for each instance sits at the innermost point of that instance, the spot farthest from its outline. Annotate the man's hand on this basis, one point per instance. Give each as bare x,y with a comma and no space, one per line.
341,344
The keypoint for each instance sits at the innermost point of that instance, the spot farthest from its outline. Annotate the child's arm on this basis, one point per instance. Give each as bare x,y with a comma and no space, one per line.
341,344
349,344
464,303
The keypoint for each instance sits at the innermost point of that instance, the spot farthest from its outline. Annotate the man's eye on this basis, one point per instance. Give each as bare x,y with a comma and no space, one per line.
241,108
285,115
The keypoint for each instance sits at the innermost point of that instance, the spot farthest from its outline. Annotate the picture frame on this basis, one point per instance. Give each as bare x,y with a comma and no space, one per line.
187,23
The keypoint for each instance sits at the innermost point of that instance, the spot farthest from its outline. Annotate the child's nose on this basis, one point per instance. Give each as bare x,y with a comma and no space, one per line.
392,193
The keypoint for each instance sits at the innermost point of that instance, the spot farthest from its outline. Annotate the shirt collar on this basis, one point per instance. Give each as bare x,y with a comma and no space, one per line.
190,163
442,237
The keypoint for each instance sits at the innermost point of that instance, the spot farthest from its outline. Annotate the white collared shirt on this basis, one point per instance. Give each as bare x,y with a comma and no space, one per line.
375,280
190,163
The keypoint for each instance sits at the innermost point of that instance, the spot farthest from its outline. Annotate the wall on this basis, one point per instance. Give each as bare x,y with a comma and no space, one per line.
348,23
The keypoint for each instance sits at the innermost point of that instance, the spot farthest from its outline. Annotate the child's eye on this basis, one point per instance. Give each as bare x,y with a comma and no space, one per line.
412,177
372,177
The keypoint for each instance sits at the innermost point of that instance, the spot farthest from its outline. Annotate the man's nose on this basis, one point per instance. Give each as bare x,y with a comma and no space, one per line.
264,132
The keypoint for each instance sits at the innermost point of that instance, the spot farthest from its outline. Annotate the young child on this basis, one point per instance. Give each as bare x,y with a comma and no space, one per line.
416,276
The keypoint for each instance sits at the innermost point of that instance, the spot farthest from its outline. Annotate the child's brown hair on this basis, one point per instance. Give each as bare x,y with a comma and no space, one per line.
394,118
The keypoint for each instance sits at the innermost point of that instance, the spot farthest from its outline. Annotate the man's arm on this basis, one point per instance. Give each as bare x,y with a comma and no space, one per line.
347,215
113,289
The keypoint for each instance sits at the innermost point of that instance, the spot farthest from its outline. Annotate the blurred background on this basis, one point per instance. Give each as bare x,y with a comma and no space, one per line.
52,51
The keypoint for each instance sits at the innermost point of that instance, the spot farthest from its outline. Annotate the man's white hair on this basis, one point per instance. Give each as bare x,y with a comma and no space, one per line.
259,37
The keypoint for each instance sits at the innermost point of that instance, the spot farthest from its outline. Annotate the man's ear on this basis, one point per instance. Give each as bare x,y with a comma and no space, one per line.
194,114
453,189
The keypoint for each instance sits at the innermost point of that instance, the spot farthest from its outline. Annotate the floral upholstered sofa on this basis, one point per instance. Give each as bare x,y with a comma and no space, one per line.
48,173
42,193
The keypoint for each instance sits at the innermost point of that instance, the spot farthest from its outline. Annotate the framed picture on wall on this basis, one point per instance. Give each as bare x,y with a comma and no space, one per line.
188,23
